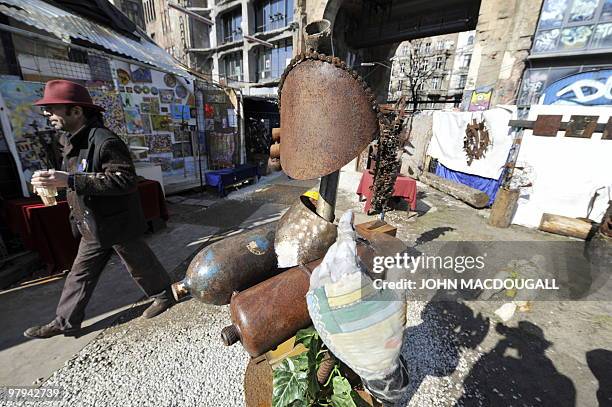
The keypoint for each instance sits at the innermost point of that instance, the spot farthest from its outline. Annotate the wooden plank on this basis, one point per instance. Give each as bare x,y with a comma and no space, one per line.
563,225
503,208
366,229
469,195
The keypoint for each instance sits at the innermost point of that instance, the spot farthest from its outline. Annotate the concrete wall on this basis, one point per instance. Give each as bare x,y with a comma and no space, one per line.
503,38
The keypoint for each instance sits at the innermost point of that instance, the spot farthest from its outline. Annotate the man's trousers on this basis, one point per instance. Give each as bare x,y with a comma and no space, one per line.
91,258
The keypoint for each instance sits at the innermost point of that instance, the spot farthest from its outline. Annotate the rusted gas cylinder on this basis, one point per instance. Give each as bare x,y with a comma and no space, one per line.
302,235
266,315
234,263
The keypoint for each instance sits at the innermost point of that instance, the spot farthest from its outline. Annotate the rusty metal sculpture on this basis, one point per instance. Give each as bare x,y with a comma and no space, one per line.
234,263
302,235
271,312
328,115
476,141
387,160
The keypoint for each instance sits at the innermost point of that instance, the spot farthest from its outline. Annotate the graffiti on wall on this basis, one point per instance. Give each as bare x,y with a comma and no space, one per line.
585,89
480,99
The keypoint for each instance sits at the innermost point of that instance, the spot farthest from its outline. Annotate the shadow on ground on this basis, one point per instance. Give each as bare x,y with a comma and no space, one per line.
517,370
433,347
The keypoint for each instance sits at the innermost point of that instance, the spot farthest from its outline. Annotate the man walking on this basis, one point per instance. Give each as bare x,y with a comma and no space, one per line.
105,208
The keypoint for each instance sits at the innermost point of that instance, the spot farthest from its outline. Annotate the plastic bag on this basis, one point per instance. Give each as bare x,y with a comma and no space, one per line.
361,325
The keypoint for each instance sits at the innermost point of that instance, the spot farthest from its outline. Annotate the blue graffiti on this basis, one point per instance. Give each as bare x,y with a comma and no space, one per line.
588,89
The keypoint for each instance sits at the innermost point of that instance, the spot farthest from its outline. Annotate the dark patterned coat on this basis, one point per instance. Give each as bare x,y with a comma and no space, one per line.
102,192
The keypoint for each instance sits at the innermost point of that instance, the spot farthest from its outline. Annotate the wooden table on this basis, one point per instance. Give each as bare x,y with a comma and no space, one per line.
405,188
46,229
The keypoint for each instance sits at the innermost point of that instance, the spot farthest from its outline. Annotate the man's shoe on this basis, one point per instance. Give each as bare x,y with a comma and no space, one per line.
158,306
48,331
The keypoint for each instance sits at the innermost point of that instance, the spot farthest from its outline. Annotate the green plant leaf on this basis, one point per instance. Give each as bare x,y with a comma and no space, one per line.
342,393
290,382
305,336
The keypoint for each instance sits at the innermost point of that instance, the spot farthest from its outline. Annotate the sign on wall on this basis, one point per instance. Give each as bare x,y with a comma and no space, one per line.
591,88
480,99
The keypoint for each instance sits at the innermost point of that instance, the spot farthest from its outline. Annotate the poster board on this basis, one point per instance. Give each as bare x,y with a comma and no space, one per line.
157,109
24,127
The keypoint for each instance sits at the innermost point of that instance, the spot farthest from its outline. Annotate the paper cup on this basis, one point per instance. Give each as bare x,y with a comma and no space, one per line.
47,195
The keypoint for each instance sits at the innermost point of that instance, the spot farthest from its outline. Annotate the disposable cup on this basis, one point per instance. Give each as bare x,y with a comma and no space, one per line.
47,195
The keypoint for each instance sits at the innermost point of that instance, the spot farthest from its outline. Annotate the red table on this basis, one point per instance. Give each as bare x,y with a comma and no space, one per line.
405,187
46,229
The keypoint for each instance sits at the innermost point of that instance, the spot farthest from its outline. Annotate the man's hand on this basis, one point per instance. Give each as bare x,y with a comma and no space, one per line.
51,178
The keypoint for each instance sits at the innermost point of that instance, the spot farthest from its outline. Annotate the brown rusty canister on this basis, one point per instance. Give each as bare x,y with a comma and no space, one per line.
266,315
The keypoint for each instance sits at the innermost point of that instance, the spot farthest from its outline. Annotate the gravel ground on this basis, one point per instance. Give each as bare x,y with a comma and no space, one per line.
176,359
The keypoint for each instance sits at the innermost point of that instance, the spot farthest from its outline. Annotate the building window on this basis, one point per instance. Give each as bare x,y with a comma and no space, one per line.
273,14
435,83
271,62
134,12
462,81
149,11
231,30
466,60
567,25
232,66
439,62
470,40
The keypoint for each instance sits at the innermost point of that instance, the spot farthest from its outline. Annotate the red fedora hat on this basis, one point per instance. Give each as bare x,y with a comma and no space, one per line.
61,92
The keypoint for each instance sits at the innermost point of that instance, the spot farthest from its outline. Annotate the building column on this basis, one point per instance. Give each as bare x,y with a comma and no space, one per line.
504,34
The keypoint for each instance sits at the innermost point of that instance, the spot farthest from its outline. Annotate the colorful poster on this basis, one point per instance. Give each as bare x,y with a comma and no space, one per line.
177,112
160,143
182,149
181,91
160,122
186,112
113,115
480,100
138,147
166,95
127,99
178,164
34,139
153,102
137,141
140,74
133,121
146,124
163,160
182,135
209,111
